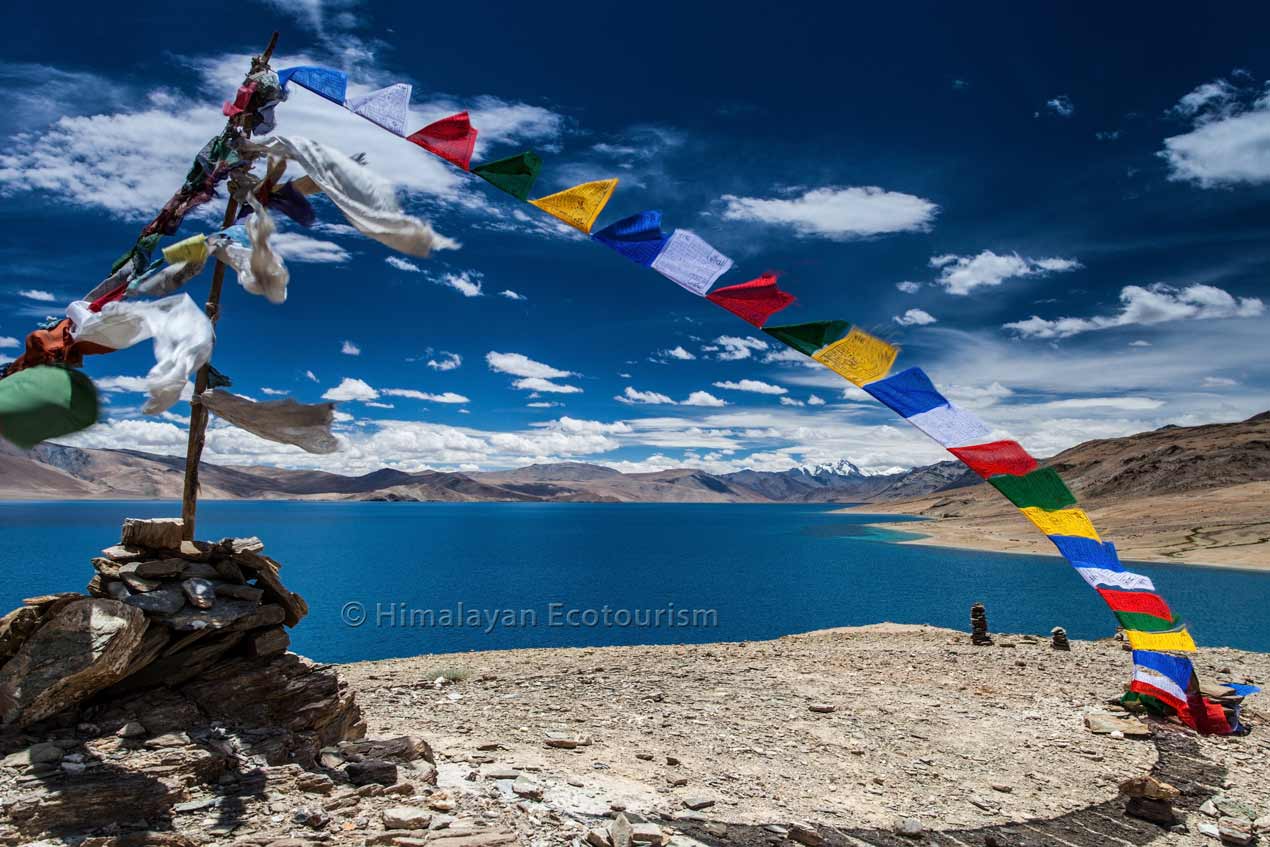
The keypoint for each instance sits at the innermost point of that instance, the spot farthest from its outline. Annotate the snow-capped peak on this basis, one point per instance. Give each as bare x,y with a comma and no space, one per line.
842,467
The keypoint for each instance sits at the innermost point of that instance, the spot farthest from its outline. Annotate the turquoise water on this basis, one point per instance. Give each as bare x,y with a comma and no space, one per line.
540,575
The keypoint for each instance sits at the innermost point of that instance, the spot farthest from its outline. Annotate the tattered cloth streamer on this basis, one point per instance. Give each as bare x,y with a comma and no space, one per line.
305,425
53,346
45,402
367,200
183,340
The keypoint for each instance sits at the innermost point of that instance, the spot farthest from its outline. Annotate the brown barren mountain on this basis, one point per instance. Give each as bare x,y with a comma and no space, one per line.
1194,494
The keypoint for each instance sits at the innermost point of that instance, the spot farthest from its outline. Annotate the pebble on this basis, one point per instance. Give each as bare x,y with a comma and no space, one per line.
697,803
407,817
132,729
823,708
909,828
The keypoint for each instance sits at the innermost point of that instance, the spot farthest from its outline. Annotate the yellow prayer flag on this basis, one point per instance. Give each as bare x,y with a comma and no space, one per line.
578,206
1062,522
859,357
192,249
1179,641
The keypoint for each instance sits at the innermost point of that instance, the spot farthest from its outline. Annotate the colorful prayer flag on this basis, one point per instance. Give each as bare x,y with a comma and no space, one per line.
1115,578
580,205
807,338
638,238
1164,677
1086,552
1042,488
1137,602
44,402
1176,641
754,301
192,249
996,457
688,261
451,138
948,424
388,107
326,82
1069,522
858,358
515,174
907,393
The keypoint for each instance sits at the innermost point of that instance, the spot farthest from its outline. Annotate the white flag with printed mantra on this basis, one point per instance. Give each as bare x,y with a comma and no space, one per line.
389,107
691,262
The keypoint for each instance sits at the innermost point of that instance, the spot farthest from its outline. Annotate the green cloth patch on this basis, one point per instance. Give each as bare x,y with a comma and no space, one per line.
1042,488
809,337
45,402
515,174
1143,622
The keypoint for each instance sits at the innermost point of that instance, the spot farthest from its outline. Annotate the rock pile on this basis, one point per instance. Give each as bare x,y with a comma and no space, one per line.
1058,639
979,626
168,690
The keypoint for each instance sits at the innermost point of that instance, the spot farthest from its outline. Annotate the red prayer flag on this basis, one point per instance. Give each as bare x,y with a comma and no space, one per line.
755,301
241,101
1138,602
996,457
450,138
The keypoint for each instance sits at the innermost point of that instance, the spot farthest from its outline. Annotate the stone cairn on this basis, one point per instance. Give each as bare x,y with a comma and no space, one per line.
169,680
979,626
1058,639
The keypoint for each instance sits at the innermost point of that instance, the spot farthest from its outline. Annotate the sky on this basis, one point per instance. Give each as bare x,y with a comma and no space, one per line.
1061,216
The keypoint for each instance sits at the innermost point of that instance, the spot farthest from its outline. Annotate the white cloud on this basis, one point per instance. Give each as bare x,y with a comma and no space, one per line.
129,384
311,376
444,397
1139,343
963,274
543,404
348,348
1219,382
546,386
730,348
837,213
1145,306
445,361
787,355
752,385
1061,105
908,287
518,364
632,396
813,400
1207,102
1229,142
274,392
351,389
914,317
403,264
37,294
375,405
790,401
1127,404
512,295
8,342
467,283
677,352
703,398
295,247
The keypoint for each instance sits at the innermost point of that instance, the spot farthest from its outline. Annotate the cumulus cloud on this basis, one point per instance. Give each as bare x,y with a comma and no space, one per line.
703,398
963,274
512,295
631,396
915,317
752,385
8,342
444,397
295,247
37,294
1145,306
403,264
677,352
791,401
546,386
351,389
445,361
908,287
813,400
838,214
731,348
518,364
348,348
467,283
1229,142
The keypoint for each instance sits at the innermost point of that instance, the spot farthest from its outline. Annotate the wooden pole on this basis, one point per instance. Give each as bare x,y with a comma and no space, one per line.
198,412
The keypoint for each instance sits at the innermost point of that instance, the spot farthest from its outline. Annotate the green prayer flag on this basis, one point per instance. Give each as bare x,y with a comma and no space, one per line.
1042,488
1142,622
45,402
515,174
809,337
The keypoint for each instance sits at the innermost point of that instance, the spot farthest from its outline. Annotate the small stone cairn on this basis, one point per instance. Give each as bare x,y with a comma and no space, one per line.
979,626
1058,639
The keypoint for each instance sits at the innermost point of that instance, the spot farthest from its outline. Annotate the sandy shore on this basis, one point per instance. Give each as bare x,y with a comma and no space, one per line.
848,731
1226,527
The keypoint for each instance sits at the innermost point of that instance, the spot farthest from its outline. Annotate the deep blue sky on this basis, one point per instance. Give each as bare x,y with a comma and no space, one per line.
1079,163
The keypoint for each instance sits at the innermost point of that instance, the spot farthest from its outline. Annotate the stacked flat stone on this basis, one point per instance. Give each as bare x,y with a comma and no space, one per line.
1058,639
979,626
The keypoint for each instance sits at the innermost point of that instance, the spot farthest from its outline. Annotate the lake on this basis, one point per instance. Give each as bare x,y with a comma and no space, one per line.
542,575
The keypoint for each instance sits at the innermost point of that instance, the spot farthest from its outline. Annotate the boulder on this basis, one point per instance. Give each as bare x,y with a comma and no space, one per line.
155,568
406,817
267,642
85,647
1101,723
265,571
370,771
405,748
167,600
153,533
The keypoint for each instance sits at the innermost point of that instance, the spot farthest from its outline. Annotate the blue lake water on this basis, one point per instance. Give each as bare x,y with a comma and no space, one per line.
666,572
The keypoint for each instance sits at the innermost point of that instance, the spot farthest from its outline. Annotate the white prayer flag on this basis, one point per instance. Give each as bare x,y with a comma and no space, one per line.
951,426
691,262
389,107
1106,578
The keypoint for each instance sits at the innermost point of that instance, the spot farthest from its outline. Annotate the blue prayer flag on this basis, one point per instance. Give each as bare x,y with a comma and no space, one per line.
326,82
1086,552
638,238
909,392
